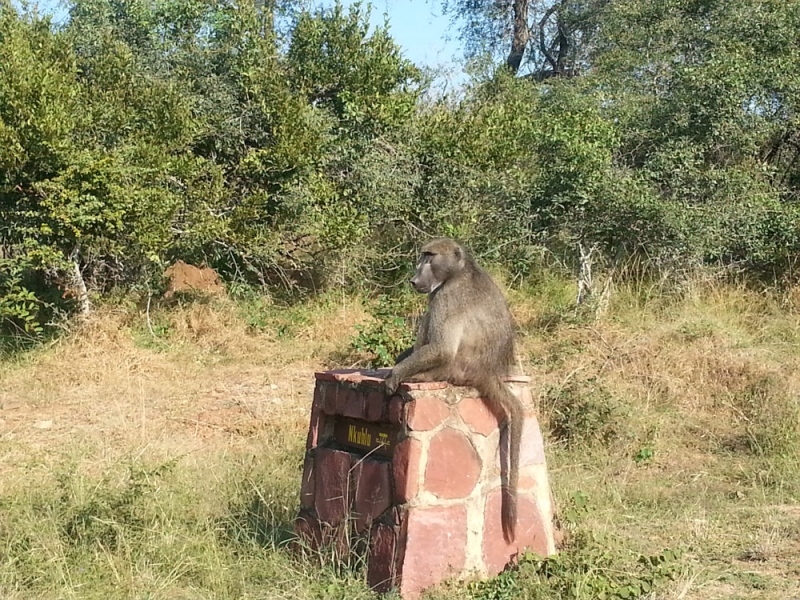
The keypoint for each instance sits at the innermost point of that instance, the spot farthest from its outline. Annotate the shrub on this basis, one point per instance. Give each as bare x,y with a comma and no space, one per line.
582,412
387,335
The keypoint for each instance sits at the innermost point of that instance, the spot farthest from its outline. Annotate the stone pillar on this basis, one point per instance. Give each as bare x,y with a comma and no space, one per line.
416,477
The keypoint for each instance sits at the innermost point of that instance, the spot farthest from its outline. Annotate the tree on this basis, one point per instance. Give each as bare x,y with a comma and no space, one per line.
360,76
541,38
39,110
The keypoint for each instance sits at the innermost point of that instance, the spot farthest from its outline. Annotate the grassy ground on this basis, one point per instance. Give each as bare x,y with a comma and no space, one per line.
162,459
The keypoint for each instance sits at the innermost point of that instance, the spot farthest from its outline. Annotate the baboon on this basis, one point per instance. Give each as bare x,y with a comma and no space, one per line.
466,337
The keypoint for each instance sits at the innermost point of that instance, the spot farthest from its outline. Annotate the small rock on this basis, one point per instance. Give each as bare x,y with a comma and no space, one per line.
43,424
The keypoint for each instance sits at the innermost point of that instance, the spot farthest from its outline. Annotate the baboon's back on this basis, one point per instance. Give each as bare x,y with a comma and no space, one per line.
487,340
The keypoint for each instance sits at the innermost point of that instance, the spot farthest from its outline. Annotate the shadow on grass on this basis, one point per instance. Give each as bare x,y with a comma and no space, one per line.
15,343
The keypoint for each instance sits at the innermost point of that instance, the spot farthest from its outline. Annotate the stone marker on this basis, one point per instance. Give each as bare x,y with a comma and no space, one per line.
415,479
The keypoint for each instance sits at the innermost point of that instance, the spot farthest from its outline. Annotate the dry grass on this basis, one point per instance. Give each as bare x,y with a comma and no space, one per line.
195,429
162,460
709,383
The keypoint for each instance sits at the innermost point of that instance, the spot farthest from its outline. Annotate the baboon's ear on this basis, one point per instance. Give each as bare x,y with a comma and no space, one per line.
458,252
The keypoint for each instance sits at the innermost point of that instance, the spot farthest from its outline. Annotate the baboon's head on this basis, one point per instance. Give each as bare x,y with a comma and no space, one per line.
439,260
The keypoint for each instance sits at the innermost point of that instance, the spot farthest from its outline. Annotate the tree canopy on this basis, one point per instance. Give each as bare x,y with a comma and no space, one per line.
287,146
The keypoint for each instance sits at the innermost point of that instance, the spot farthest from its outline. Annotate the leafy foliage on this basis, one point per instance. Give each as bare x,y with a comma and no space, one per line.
591,568
582,412
298,148
591,571
375,93
387,335
20,308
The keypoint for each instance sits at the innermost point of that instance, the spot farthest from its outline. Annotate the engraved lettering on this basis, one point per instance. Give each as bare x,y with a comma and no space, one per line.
365,437
361,437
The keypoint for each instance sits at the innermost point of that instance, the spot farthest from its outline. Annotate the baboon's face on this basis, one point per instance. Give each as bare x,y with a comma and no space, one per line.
437,262
425,280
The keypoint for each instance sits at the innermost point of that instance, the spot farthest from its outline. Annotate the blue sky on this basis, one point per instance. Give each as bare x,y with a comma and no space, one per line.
419,27
426,35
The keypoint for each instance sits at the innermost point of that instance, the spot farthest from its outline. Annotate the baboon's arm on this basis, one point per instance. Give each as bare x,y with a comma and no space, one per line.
423,359
404,355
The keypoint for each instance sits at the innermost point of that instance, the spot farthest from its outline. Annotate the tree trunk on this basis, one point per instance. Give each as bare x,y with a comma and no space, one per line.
520,40
78,284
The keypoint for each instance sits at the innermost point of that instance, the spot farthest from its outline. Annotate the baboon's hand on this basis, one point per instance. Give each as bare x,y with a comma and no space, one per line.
392,383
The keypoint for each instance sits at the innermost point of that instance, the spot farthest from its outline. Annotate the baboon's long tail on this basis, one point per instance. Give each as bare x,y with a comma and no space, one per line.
499,396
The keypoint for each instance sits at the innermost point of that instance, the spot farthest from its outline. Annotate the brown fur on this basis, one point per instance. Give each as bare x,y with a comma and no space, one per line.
466,337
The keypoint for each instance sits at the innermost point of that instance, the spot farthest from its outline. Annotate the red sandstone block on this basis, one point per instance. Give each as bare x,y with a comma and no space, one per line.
368,376
397,410
533,482
423,385
342,398
529,481
332,474
525,397
374,377
531,532
477,416
307,484
375,404
405,469
329,395
427,413
307,528
435,547
317,420
532,448
382,565
453,465
354,405
373,493
338,375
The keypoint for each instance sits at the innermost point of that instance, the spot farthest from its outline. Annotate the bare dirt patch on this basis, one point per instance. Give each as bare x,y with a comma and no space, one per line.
183,277
208,384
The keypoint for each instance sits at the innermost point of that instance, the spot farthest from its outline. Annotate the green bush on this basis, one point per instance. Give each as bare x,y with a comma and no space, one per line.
296,148
582,412
590,568
20,309
387,335
592,571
